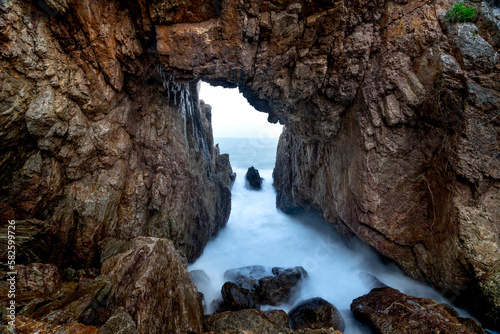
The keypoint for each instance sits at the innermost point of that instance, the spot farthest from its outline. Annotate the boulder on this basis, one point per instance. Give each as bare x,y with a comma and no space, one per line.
151,282
316,313
388,311
249,287
255,322
120,322
243,319
282,286
238,297
253,179
85,304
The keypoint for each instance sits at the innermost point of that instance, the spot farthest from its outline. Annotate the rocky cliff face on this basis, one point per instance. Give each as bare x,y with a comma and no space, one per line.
97,140
391,117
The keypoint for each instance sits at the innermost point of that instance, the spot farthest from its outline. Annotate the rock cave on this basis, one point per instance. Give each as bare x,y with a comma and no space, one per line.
109,170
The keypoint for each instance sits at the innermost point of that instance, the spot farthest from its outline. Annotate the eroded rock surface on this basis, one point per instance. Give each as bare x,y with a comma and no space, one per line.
151,282
252,286
391,118
96,140
386,311
316,313
391,122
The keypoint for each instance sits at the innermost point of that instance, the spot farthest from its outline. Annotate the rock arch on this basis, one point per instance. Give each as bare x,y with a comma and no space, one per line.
391,131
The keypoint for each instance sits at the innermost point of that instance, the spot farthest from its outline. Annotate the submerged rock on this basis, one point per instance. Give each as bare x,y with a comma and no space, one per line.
254,181
316,313
252,286
388,311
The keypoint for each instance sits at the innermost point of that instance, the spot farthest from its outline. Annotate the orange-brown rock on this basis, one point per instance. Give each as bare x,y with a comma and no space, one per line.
391,117
388,311
25,325
151,282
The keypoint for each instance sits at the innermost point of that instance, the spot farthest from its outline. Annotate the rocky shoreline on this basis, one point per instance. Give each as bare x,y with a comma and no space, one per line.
109,173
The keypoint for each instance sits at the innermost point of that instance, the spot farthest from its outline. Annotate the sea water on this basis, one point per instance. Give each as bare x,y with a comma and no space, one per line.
257,233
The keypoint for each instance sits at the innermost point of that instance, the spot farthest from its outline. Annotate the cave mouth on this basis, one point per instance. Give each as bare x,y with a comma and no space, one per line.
234,117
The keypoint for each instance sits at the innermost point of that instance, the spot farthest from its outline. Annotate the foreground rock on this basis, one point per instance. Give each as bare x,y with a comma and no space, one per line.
254,181
25,325
152,284
316,313
388,311
250,287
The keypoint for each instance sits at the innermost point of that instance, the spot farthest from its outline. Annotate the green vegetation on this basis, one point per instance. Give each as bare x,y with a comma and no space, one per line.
461,12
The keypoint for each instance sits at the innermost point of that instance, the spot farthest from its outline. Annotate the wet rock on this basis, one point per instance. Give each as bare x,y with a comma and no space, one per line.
386,310
390,114
120,322
238,297
253,179
316,313
244,319
155,263
252,286
282,287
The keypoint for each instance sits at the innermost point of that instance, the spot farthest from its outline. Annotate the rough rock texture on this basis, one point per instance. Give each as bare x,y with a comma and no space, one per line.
255,322
252,286
25,325
151,282
388,311
119,323
96,140
391,118
316,313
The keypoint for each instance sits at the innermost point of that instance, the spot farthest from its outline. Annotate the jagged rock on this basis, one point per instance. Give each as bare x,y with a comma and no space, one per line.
282,287
390,114
316,313
253,178
252,286
386,310
244,319
120,322
223,169
25,325
170,303
33,242
85,304
37,280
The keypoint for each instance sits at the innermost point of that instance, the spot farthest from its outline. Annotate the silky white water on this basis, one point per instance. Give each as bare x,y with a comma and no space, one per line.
259,234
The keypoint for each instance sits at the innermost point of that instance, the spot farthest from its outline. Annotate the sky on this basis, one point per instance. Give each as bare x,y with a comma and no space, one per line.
234,117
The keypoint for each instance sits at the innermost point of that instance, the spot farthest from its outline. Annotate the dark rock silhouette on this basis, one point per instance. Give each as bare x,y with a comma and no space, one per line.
254,181
316,313
250,287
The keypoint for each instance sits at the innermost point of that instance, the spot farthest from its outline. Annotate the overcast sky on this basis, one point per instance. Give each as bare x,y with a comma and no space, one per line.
234,117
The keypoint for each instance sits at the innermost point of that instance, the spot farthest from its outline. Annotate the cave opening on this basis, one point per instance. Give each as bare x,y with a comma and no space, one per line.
259,240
